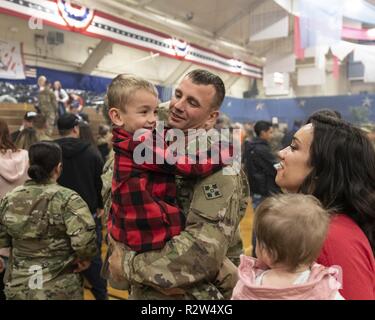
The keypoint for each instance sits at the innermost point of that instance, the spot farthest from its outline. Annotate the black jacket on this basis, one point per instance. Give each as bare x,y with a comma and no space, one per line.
82,168
259,164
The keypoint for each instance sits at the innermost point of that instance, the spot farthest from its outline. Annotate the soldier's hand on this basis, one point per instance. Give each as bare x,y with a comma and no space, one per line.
115,264
115,261
99,213
82,265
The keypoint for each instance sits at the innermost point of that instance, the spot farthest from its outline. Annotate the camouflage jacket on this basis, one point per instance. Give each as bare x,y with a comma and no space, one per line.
47,102
47,227
163,111
43,136
107,184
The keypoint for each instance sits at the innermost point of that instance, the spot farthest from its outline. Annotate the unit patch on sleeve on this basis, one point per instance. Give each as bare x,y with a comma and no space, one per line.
212,191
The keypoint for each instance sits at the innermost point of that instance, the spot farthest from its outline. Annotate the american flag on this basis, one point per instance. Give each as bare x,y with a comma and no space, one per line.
30,72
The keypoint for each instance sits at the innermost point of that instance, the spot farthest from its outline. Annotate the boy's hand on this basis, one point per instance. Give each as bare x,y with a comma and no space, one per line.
82,265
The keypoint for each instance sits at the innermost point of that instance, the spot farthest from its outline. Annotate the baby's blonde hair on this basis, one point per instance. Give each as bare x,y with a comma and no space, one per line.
291,228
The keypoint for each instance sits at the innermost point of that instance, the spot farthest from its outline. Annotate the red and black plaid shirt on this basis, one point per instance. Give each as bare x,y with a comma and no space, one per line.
144,213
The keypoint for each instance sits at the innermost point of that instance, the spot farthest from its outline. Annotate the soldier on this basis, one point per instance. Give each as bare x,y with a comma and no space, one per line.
193,264
107,184
40,125
277,137
50,231
47,103
27,122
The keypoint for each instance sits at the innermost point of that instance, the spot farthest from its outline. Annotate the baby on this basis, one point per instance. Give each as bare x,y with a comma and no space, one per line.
290,233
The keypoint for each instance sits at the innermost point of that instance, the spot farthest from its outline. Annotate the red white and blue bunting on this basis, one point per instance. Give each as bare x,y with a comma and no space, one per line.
76,18
63,15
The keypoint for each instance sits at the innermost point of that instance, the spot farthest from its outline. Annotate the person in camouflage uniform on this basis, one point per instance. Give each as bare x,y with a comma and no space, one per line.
107,184
194,264
47,103
50,231
40,125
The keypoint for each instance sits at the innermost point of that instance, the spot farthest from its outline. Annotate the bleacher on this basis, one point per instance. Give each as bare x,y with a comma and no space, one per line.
13,114
26,96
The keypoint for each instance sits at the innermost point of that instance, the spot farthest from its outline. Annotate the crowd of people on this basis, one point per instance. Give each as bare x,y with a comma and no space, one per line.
172,227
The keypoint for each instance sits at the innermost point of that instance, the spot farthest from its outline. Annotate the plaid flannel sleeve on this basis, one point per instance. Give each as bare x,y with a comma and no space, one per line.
138,218
202,164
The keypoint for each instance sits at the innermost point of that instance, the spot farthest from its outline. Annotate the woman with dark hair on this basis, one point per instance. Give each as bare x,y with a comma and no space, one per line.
85,133
50,231
14,162
326,113
334,161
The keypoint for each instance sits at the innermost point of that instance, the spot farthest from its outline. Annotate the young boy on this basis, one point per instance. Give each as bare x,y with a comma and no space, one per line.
144,214
290,232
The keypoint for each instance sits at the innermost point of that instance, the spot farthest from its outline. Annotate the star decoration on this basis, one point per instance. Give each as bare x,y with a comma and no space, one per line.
260,106
367,102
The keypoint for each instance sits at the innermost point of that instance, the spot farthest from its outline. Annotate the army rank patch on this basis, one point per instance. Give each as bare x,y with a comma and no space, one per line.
212,191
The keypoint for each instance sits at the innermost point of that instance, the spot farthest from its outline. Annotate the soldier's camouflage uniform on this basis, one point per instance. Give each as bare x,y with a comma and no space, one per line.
47,227
188,266
107,184
48,107
43,137
163,111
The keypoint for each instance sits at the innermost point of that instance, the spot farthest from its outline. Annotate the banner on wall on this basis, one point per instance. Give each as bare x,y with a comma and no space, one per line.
11,60
93,23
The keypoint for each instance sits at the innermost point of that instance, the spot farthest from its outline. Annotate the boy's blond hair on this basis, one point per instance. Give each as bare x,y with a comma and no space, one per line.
291,228
122,88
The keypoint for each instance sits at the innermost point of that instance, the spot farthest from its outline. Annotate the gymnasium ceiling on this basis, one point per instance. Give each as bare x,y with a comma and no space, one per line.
222,25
